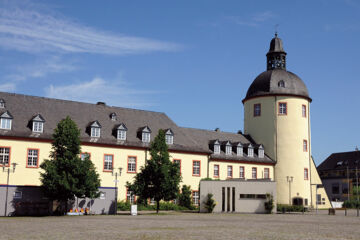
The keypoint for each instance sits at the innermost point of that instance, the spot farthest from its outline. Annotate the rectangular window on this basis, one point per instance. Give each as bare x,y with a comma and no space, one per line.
216,171
178,161
108,162
261,153
239,151
5,123
169,139
84,155
131,164
318,199
305,148
196,168
228,150
266,173
250,152
38,127
257,110
303,108
282,108
233,199
130,197
217,149
146,137
95,132
17,195
195,197
242,172
121,135
229,171
254,173
33,158
335,188
4,156
223,199
306,174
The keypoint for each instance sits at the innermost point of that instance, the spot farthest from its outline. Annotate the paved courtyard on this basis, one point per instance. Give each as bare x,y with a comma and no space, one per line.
184,226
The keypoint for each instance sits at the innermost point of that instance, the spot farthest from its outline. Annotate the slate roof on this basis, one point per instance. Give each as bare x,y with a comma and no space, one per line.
23,108
267,84
337,161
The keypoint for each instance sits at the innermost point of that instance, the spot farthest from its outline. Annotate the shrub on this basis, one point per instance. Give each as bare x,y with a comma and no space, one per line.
124,206
269,204
164,206
290,208
351,204
185,197
210,203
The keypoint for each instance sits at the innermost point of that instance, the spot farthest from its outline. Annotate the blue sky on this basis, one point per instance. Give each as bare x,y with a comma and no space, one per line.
193,60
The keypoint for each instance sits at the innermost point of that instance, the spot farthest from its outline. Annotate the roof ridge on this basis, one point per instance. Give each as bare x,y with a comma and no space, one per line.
73,101
208,130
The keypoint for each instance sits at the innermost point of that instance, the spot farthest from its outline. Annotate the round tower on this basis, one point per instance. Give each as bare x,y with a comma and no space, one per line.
277,115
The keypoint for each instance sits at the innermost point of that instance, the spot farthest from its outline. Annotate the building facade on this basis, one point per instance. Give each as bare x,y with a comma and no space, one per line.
276,144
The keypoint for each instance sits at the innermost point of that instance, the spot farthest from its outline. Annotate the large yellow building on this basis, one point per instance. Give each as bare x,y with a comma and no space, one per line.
274,146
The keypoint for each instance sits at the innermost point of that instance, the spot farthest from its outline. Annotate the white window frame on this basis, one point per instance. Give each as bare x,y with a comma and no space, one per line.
132,164
306,174
130,197
261,153
95,132
145,137
5,123
196,168
121,134
305,145
266,173
84,155
2,104
239,151
17,195
4,156
229,171
303,110
108,162
254,173
216,170
257,110
38,127
195,197
228,150
216,148
33,158
242,172
250,152
282,108
169,139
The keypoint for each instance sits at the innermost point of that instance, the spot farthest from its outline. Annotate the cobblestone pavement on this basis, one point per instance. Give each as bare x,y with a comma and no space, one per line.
172,225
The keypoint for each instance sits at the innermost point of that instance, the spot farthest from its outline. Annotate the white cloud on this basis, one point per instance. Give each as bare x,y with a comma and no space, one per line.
254,21
7,87
24,27
99,90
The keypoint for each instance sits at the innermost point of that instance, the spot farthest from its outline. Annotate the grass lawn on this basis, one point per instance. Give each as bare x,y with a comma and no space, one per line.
175,225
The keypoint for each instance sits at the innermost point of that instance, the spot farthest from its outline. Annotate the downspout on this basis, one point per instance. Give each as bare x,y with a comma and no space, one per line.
309,138
276,135
208,166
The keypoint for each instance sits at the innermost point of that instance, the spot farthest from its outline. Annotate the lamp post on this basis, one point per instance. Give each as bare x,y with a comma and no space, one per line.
357,187
8,170
116,188
348,180
289,179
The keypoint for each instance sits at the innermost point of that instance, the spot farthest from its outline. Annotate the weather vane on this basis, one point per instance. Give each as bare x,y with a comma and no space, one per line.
276,29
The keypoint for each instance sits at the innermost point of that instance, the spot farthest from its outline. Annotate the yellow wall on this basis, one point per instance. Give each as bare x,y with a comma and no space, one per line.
236,170
315,179
282,137
30,176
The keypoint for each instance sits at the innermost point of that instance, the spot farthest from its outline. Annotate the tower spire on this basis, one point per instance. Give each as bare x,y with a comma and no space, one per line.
276,57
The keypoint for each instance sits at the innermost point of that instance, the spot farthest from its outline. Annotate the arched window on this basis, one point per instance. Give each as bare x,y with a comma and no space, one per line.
281,83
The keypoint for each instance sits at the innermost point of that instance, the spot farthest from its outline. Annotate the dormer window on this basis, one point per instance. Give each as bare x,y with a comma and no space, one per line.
121,132
38,124
113,116
6,120
169,136
95,128
261,151
2,103
216,147
250,151
228,148
239,150
281,84
145,134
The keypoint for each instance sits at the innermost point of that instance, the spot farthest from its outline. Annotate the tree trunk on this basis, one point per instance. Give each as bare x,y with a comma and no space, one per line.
66,207
157,206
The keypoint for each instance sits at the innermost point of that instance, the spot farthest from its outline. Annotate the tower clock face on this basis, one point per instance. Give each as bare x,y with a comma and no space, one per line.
277,63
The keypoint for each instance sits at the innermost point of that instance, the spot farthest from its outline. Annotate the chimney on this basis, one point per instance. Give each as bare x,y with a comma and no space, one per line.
217,129
101,103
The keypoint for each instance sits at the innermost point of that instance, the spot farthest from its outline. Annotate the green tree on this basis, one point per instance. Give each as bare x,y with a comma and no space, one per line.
210,203
65,175
185,197
159,178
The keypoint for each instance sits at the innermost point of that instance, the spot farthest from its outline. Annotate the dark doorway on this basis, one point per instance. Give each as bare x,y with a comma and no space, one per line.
298,201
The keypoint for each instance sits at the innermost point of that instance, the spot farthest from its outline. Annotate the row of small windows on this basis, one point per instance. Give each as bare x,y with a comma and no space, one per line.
254,173
37,126
282,109
238,148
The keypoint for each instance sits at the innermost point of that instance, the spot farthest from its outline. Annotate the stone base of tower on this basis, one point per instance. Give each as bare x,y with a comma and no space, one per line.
319,198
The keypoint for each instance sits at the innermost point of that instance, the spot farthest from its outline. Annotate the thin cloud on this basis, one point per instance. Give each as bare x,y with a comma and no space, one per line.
25,28
254,21
98,89
7,87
